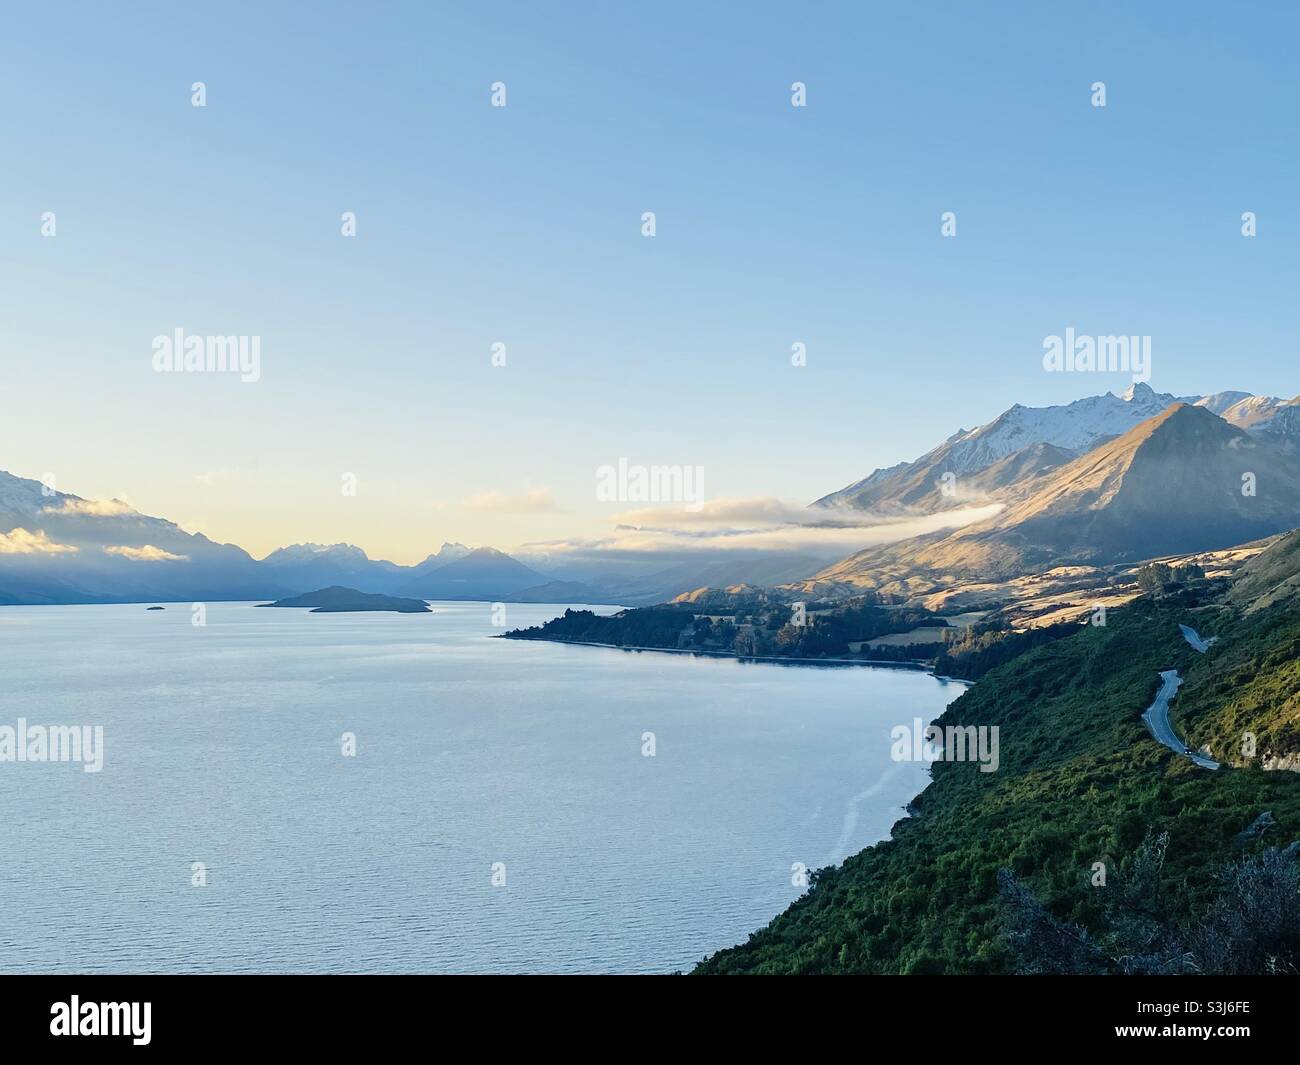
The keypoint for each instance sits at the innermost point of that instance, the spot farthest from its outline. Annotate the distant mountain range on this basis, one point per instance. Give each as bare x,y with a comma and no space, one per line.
485,572
59,548
1106,479
321,565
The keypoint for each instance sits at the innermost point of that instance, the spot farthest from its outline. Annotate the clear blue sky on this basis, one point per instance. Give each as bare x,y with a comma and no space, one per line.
522,225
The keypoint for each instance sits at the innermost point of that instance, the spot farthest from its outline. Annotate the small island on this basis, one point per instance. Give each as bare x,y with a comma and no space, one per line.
155,608
340,600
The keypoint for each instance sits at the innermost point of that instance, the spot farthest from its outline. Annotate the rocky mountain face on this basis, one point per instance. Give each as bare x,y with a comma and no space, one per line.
1001,461
1018,445
1184,480
1282,426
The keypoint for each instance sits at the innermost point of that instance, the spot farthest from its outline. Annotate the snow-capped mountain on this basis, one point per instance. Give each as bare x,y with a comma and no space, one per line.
1170,485
1284,427
1041,439
1256,412
310,566
1078,426
1266,416
296,554
1221,401
445,554
58,547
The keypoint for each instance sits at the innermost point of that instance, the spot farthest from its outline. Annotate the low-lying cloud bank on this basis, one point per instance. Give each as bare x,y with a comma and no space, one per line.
147,553
94,508
22,542
533,501
753,525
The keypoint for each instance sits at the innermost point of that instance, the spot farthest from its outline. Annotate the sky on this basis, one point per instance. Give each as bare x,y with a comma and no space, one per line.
522,225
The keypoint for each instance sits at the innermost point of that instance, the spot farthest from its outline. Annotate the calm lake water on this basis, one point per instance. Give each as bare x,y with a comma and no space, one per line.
222,746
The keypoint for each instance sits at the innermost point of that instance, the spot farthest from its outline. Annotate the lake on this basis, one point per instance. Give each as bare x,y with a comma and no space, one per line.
476,760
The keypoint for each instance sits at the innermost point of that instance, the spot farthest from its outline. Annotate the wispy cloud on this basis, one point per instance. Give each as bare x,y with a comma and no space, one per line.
534,501
757,525
148,553
22,542
222,475
765,512
94,508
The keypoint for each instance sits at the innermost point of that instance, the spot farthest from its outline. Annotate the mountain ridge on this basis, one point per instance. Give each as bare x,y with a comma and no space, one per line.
1172,484
56,547
1060,433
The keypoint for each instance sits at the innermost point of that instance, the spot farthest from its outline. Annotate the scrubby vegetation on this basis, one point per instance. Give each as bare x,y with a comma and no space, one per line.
1158,578
974,651
1081,782
647,627
755,628
1253,925
1092,848
1242,698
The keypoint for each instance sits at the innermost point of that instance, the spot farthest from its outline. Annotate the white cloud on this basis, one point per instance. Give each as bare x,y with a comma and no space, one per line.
757,525
768,513
22,542
221,475
95,508
725,512
148,553
534,501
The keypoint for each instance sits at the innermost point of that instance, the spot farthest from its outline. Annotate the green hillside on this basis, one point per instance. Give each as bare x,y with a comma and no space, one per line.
1242,698
1081,782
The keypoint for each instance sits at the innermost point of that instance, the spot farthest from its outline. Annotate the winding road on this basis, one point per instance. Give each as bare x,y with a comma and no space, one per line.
1191,636
1157,714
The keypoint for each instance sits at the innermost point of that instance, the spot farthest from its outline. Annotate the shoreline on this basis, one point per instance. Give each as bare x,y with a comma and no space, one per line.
906,663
